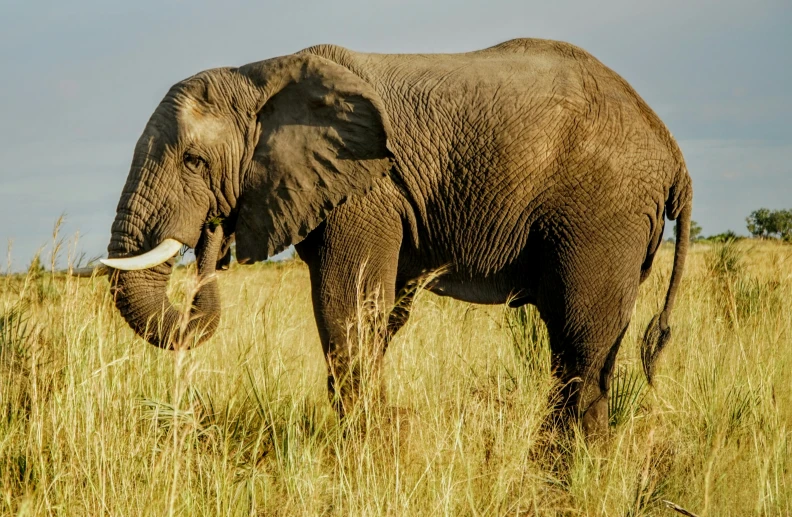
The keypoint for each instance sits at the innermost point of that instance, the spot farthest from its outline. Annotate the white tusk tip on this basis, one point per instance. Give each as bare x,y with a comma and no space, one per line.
163,252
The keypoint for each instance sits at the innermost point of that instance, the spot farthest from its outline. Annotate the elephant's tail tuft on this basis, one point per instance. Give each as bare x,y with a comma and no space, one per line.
654,340
658,333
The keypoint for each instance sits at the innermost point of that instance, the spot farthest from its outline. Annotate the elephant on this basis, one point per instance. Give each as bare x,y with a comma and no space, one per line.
528,172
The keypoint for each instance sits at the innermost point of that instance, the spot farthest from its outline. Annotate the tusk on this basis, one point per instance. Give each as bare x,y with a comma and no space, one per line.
165,250
87,272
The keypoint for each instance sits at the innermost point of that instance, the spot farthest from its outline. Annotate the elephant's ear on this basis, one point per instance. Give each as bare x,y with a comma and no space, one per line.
323,136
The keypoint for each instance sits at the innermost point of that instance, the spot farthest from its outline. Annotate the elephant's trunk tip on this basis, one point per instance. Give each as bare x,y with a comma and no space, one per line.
186,335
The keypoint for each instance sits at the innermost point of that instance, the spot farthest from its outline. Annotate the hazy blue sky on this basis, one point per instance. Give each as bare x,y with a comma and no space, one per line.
79,80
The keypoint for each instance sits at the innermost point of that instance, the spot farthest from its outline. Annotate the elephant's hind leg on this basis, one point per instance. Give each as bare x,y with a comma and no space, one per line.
587,306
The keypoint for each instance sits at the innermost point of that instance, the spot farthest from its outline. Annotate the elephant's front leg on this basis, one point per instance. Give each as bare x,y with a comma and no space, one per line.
353,279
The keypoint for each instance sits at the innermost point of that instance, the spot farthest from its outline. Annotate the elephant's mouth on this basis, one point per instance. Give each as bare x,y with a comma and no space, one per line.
168,248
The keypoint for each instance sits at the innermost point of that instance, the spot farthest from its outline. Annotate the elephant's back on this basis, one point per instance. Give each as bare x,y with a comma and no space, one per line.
536,47
599,83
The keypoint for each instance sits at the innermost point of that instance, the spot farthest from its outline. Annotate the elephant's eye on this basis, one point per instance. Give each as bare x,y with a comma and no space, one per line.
194,162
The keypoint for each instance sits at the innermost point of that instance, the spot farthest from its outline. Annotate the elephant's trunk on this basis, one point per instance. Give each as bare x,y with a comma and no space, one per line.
141,297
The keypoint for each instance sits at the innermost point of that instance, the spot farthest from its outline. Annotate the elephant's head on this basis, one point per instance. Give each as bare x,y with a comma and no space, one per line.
268,149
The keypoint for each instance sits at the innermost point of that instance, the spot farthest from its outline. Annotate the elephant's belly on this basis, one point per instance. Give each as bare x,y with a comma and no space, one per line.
485,291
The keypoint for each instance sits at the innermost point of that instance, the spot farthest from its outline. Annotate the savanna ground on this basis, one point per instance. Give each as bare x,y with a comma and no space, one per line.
95,422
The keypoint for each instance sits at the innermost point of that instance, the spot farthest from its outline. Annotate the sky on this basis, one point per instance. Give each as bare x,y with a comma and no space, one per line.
79,80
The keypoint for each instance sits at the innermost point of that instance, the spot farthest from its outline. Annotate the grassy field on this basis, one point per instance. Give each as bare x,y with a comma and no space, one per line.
95,422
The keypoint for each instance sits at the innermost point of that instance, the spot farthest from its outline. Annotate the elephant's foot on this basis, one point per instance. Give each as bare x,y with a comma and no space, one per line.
594,420
359,405
390,426
571,410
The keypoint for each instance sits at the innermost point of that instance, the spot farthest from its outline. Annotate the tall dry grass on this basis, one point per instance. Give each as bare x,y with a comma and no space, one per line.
95,422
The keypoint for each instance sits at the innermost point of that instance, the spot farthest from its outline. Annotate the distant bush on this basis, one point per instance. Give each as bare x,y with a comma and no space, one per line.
696,235
767,223
727,236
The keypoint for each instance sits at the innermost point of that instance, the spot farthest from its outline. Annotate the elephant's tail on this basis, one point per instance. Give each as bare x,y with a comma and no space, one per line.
658,333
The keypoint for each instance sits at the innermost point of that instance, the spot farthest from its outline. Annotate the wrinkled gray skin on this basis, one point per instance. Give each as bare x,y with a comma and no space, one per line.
529,170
